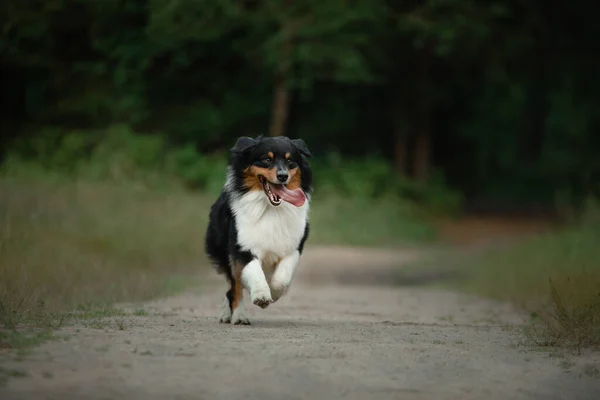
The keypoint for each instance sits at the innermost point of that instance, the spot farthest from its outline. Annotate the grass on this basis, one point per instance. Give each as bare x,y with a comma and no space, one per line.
554,276
68,246
5,374
378,222
71,248
23,339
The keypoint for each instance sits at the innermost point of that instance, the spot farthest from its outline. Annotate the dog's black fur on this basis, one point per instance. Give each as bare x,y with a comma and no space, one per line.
221,243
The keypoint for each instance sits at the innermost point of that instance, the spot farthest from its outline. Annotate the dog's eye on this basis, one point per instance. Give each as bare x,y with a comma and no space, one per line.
267,160
291,164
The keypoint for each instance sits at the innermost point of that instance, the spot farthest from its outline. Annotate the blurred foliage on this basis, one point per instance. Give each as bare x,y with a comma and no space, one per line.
500,94
372,177
120,155
555,276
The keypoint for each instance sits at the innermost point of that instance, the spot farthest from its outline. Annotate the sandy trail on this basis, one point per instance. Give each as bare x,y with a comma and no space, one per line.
345,331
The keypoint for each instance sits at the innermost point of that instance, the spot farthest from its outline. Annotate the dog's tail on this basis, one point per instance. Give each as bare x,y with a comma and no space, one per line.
222,268
219,267
218,258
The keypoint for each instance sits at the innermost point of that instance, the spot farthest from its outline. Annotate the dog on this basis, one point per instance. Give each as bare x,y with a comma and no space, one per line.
259,223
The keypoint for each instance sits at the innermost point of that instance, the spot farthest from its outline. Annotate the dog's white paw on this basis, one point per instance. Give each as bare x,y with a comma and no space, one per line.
225,316
239,317
261,298
278,292
279,288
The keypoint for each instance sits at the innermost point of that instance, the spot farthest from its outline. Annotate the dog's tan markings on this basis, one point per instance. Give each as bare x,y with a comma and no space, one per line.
287,156
251,180
238,289
251,177
253,172
276,261
270,154
295,179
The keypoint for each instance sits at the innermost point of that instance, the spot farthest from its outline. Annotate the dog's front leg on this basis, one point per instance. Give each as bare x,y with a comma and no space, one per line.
255,281
283,275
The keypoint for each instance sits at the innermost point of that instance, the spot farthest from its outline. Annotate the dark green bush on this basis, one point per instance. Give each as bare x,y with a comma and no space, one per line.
373,177
119,154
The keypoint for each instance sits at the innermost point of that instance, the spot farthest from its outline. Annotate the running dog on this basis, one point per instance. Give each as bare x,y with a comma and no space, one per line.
259,224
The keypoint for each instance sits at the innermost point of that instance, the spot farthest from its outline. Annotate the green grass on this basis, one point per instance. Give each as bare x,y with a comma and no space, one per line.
554,276
6,374
363,222
24,338
70,248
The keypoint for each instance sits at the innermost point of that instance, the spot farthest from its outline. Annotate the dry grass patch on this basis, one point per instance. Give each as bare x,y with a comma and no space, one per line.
67,246
554,276
71,246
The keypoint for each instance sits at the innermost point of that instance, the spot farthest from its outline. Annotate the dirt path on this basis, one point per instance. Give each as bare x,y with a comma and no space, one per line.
346,330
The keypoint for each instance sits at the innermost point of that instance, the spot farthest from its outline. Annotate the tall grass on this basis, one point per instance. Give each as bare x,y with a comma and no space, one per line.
381,222
70,245
555,276
89,219
67,244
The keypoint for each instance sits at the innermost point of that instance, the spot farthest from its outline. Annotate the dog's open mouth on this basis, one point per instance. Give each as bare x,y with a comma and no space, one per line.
276,193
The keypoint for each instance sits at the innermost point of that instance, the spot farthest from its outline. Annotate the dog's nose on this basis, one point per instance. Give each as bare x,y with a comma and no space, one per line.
282,176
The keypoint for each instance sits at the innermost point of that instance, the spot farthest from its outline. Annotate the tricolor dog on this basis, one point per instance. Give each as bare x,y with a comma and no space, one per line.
258,225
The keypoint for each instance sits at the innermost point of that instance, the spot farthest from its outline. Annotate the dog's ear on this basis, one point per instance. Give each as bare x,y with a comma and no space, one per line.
302,147
243,145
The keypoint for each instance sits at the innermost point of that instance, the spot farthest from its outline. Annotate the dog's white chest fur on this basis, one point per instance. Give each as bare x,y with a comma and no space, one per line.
269,232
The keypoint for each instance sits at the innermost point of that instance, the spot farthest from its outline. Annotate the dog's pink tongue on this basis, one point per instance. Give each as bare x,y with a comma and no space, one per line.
295,197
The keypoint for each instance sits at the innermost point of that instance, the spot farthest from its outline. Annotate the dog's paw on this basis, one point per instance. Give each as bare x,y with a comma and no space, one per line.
276,294
240,319
279,288
261,298
225,316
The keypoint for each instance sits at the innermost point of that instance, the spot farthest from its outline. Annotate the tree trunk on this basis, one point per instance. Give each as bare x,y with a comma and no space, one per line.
281,98
422,153
400,138
280,107
400,152
538,105
421,161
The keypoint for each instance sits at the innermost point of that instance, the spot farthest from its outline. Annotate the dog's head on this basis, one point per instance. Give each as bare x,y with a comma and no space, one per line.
276,165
